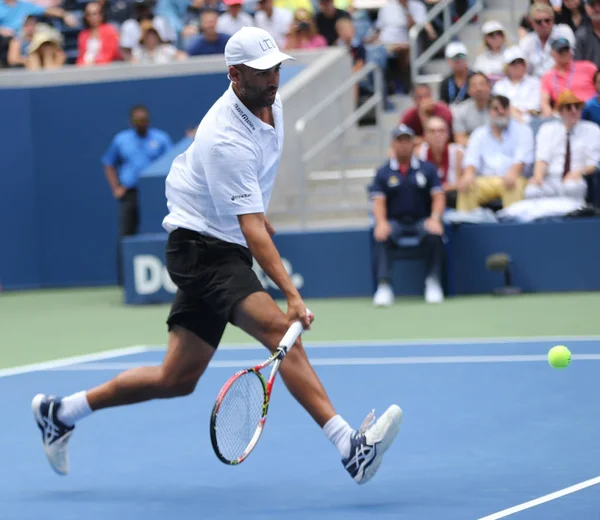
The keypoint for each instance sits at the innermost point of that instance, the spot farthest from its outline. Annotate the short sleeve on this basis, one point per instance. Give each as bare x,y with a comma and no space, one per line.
544,142
111,156
473,153
592,150
231,171
525,150
378,187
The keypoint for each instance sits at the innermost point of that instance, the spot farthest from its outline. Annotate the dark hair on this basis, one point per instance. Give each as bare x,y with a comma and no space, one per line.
478,73
420,85
136,108
503,100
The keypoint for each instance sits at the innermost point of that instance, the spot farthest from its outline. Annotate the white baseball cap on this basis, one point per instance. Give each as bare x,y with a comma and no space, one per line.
513,53
491,26
453,49
255,48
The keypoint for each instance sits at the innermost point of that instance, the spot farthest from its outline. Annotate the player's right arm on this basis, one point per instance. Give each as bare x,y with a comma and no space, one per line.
231,175
264,251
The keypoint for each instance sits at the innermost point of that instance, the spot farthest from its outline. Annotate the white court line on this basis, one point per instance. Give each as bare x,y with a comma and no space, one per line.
361,361
75,360
542,500
408,343
137,349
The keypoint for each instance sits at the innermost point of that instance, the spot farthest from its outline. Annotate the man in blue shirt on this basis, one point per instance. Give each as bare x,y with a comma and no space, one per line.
210,41
591,111
128,154
408,202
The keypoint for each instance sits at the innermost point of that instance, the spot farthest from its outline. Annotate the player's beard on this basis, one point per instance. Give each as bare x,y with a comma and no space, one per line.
258,98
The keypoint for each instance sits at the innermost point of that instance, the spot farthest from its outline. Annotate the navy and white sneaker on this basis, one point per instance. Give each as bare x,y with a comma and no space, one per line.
370,442
55,434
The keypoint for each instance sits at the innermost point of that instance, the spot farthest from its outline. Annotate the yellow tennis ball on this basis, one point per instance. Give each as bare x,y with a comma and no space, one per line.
559,356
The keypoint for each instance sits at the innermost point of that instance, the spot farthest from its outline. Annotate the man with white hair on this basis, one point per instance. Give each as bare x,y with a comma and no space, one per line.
566,151
218,191
536,45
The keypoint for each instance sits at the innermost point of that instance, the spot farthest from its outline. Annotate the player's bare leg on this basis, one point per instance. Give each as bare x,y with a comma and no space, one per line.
259,316
362,451
185,361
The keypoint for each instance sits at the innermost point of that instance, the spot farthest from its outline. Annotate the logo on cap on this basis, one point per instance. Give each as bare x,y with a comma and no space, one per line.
267,44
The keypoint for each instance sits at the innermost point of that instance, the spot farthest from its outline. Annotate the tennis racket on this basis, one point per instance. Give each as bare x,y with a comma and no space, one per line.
240,410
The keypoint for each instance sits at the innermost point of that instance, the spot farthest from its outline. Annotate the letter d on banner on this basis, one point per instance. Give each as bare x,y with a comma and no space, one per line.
147,274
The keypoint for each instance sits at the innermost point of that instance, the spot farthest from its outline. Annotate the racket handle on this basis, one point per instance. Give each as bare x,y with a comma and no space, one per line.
290,337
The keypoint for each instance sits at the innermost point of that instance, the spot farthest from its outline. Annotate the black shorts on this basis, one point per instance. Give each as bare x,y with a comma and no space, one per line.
212,276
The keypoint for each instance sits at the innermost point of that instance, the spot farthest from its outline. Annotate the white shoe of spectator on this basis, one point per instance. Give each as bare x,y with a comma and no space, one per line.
433,291
384,296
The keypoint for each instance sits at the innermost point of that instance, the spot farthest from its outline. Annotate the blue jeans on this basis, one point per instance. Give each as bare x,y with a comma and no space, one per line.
410,235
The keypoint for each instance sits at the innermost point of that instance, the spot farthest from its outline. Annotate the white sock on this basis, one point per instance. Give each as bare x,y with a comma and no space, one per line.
339,432
73,408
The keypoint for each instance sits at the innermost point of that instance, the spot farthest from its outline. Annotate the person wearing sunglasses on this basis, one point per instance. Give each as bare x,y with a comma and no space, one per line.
536,45
567,149
567,74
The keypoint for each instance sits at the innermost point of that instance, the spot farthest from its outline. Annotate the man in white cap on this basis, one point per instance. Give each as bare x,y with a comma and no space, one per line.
217,193
454,88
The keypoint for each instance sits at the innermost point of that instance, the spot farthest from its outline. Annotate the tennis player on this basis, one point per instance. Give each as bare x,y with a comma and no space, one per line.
217,192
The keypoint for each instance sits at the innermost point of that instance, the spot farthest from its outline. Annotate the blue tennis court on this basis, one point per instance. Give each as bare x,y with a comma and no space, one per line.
487,426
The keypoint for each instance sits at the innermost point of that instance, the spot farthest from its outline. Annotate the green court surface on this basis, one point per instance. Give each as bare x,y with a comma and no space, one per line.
49,324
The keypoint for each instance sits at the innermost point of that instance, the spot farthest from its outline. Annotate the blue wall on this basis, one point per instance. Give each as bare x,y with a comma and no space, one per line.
548,256
59,219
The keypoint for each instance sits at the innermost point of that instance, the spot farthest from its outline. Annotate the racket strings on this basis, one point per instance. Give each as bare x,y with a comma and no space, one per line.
239,415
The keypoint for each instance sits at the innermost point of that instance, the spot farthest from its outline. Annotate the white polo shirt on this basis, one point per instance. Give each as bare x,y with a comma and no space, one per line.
228,170
551,146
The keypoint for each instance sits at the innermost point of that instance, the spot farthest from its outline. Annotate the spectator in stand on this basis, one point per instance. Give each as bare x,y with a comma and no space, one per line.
536,45
275,20
587,46
591,111
326,18
232,20
18,48
153,49
573,14
394,20
303,33
425,107
491,60
526,26
523,91
191,20
454,88
567,74
45,50
498,157
99,42
13,14
131,30
408,201
473,112
566,151
347,38
293,5
446,156
210,41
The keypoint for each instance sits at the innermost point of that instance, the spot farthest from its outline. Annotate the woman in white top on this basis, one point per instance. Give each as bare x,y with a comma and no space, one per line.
153,49
490,60
523,91
446,156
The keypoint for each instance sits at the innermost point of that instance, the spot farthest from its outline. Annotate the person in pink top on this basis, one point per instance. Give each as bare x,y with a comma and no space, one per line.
567,74
303,33
99,41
